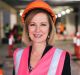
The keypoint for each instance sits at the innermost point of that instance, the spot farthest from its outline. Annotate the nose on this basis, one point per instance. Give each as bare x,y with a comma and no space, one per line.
37,28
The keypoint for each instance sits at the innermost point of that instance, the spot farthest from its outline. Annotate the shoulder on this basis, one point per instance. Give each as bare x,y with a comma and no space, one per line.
67,57
18,51
67,67
68,54
58,49
65,52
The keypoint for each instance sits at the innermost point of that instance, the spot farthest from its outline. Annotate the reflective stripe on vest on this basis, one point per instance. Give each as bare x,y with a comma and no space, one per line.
18,57
55,61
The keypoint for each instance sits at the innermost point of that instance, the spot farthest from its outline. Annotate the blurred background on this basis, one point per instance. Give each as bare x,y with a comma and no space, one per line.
67,30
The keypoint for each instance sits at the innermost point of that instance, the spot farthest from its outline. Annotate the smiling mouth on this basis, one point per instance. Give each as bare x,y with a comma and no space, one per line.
37,35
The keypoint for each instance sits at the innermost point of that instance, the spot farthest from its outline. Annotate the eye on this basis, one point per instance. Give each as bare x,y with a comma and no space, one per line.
43,24
32,25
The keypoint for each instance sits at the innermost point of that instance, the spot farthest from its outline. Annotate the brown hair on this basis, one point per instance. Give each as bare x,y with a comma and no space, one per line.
28,18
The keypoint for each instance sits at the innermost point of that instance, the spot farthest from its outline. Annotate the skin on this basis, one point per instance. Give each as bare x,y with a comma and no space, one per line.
38,32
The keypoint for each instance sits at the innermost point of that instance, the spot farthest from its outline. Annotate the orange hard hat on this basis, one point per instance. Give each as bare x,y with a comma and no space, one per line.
38,4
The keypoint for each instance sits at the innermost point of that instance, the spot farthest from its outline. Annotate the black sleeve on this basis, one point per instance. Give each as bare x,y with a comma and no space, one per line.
13,71
66,67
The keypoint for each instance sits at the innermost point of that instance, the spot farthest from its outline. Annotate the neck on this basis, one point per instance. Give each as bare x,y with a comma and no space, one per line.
38,46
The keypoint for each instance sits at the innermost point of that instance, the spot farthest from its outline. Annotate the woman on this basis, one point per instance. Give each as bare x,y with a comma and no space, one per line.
40,57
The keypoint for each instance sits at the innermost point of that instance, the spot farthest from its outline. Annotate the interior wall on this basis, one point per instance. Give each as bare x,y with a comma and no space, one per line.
70,23
8,16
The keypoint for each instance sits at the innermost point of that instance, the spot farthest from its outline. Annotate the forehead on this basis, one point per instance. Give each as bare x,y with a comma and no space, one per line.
40,17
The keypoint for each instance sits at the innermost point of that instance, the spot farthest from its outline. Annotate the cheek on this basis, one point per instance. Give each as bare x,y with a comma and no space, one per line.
30,33
46,31
31,30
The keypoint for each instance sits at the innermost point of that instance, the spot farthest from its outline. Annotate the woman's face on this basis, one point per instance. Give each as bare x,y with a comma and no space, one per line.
39,28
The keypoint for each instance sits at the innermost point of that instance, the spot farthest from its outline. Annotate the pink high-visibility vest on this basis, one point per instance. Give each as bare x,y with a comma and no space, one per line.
51,63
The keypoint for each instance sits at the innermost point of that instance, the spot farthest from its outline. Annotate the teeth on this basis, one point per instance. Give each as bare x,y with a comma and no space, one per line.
37,35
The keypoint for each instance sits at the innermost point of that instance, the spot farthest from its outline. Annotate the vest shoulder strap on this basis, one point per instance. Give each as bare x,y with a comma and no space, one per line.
17,57
55,61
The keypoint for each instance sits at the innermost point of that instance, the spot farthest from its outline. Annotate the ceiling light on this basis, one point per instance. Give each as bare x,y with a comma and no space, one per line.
67,11
71,9
63,12
59,15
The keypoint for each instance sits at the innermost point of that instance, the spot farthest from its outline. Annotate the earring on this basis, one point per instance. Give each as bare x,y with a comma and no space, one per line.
48,36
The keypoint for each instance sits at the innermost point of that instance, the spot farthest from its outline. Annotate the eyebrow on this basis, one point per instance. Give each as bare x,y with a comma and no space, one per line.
32,22
43,22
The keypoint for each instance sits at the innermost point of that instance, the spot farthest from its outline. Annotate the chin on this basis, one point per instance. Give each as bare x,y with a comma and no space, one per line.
39,41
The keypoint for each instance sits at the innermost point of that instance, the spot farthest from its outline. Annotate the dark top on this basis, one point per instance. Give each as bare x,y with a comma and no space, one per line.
66,69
